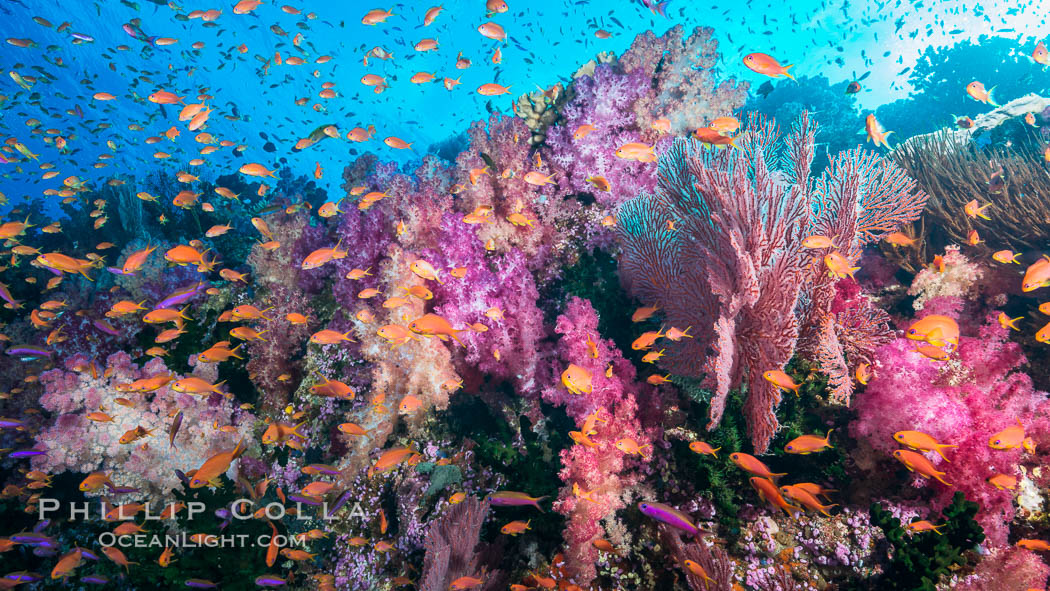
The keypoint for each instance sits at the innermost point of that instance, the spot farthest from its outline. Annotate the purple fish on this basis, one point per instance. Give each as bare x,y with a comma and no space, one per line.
201,584
510,498
106,327
44,551
41,525
83,37
94,579
117,271
174,430
27,351
323,469
270,581
6,423
671,516
10,299
88,554
23,576
305,500
343,500
25,453
181,296
31,538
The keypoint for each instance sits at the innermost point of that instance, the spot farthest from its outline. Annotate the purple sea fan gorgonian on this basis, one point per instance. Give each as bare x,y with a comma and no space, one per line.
719,247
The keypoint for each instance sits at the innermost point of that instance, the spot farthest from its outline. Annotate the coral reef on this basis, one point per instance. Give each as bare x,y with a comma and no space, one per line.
719,248
955,171
963,402
85,439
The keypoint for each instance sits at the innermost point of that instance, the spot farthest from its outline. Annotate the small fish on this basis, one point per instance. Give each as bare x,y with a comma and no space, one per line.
808,444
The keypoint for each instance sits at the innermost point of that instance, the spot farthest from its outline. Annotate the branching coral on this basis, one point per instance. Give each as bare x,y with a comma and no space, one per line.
712,558
451,544
955,171
719,248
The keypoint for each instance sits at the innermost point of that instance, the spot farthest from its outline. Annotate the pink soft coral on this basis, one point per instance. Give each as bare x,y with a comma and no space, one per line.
78,444
602,470
962,402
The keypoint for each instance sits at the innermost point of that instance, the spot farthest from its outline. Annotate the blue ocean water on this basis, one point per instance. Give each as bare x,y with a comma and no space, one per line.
254,105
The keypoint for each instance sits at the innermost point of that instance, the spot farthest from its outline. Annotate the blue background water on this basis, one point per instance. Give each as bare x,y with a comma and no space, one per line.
547,42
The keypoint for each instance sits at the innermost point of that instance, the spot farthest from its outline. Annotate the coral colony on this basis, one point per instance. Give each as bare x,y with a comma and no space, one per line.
646,330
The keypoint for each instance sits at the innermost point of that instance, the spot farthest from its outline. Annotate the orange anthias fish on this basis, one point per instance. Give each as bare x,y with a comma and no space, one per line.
781,380
805,498
215,466
875,132
973,210
703,448
67,564
390,459
1040,55
1006,257
764,64
515,528
576,379
923,525
808,444
432,325
916,462
937,330
1003,481
976,90
1012,437
921,441
637,151
1036,275
753,465
1007,322
769,491
647,340
838,265
644,313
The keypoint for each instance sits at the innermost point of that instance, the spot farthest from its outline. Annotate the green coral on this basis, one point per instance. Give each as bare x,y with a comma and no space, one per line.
918,560
441,477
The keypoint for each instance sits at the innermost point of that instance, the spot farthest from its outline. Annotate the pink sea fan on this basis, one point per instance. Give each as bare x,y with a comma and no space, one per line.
735,268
